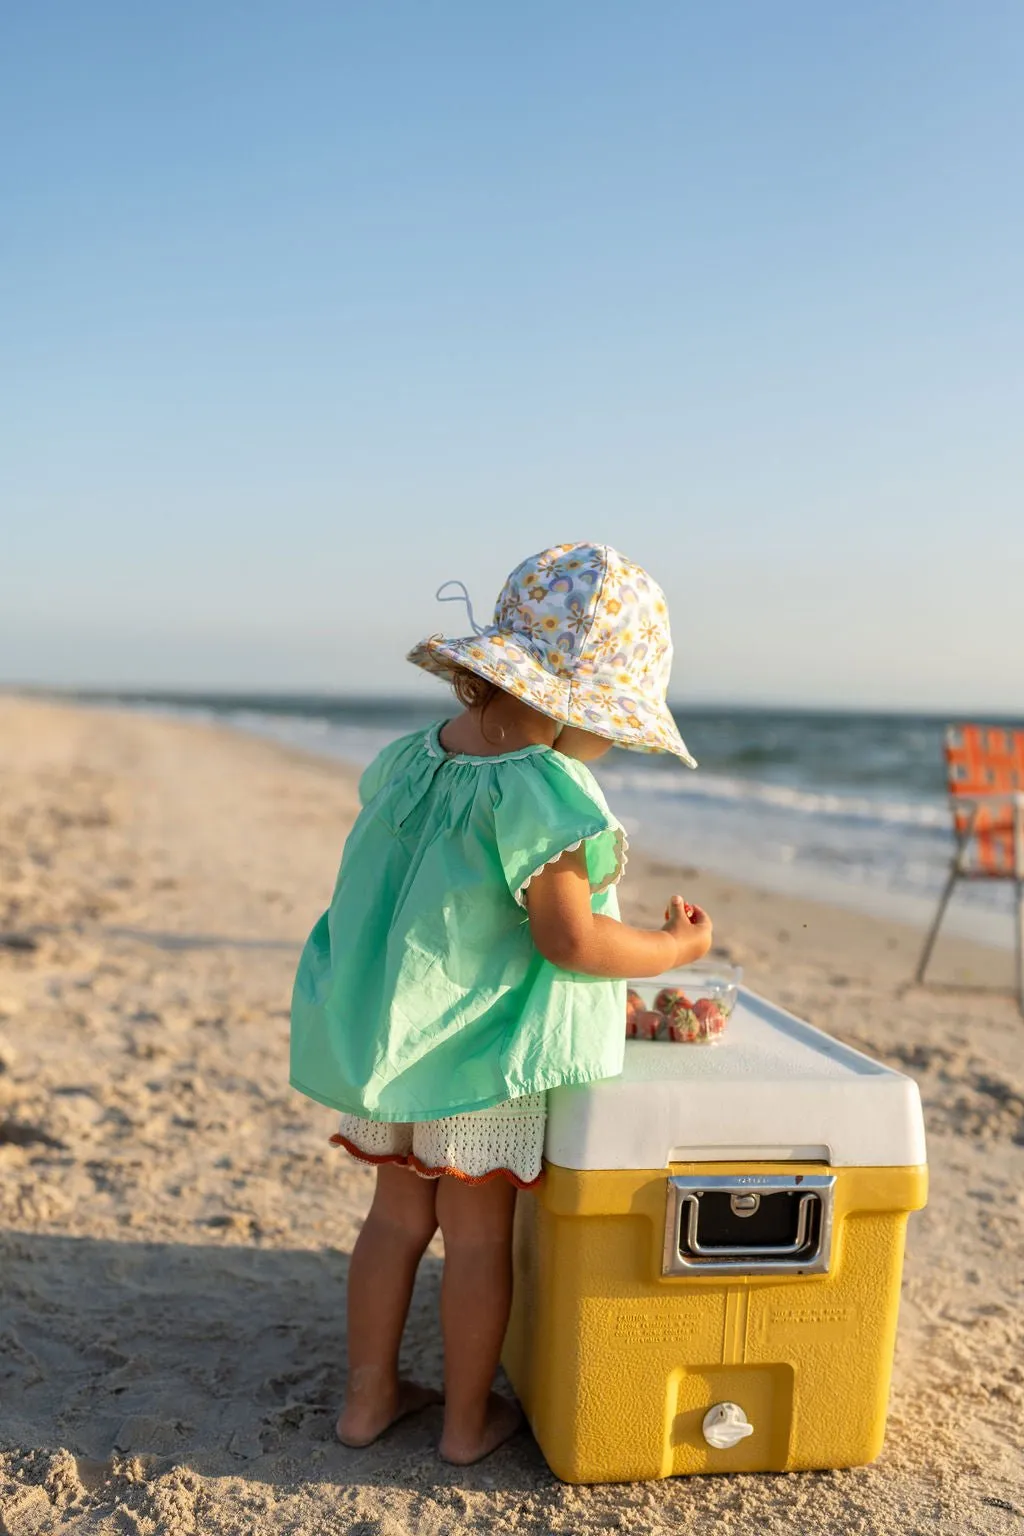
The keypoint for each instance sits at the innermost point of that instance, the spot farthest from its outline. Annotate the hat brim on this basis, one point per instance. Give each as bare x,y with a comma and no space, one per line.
599,705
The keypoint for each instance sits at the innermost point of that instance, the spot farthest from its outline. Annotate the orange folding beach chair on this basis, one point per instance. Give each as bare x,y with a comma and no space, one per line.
985,779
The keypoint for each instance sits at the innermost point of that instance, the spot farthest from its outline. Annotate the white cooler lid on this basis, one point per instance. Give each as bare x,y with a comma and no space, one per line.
772,1088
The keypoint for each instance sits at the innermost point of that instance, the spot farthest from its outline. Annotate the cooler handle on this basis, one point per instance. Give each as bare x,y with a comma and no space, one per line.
698,1248
809,1254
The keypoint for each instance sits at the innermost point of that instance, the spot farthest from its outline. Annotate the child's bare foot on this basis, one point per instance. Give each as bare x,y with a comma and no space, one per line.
362,1422
501,1421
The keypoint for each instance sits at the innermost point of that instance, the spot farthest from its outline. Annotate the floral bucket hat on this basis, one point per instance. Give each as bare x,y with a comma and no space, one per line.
581,634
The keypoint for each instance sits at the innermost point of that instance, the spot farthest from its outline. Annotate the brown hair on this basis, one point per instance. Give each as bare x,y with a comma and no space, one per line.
473,692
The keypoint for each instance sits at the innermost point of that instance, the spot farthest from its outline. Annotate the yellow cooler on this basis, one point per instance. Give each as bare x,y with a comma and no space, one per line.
708,1277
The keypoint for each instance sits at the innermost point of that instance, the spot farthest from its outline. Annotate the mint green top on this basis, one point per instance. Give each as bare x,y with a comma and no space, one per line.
420,992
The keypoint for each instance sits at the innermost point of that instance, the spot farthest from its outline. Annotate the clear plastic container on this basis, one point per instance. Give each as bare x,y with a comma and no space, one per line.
690,1006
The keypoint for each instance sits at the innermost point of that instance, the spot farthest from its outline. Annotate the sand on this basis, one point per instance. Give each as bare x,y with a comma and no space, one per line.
176,1230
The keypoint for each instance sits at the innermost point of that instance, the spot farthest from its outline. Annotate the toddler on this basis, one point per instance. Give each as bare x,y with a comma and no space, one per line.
472,957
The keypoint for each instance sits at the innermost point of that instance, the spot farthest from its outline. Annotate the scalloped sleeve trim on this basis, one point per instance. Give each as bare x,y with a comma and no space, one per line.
620,850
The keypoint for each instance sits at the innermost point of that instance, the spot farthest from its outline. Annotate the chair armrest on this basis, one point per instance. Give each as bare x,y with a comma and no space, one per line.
1005,797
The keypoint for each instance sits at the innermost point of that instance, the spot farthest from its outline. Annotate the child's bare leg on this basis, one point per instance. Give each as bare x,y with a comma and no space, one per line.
401,1223
476,1293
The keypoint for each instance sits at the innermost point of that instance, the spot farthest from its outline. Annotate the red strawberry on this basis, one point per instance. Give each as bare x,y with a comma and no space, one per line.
710,1015
671,998
683,1027
648,1026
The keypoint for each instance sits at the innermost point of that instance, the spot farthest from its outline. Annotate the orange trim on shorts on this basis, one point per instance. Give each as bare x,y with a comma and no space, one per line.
413,1162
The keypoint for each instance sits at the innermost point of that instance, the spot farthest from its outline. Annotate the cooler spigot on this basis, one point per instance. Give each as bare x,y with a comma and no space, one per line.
725,1425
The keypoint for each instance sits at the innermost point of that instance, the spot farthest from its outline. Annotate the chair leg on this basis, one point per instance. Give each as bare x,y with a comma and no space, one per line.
929,943
1020,946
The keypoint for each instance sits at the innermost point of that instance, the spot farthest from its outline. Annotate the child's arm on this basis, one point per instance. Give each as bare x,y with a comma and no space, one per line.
574,938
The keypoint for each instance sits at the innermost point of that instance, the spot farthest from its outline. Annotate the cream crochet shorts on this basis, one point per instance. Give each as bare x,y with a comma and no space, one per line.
506,1140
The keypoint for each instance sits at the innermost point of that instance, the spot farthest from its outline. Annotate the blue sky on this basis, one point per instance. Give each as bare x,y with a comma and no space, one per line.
305,308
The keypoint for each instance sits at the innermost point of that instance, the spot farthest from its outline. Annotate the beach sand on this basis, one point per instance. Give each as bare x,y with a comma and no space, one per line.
176,1230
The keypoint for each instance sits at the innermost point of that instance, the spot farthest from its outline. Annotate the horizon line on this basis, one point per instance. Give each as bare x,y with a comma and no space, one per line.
226,695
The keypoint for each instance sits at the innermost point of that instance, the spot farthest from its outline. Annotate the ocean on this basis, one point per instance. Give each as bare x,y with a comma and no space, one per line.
840,805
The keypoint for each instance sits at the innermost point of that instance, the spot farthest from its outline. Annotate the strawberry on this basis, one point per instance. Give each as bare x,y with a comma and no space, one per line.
634,1004
648,1026
683,1026
710,1016
670,998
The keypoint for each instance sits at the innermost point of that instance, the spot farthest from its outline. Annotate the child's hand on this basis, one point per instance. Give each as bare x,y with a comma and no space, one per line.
691,928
